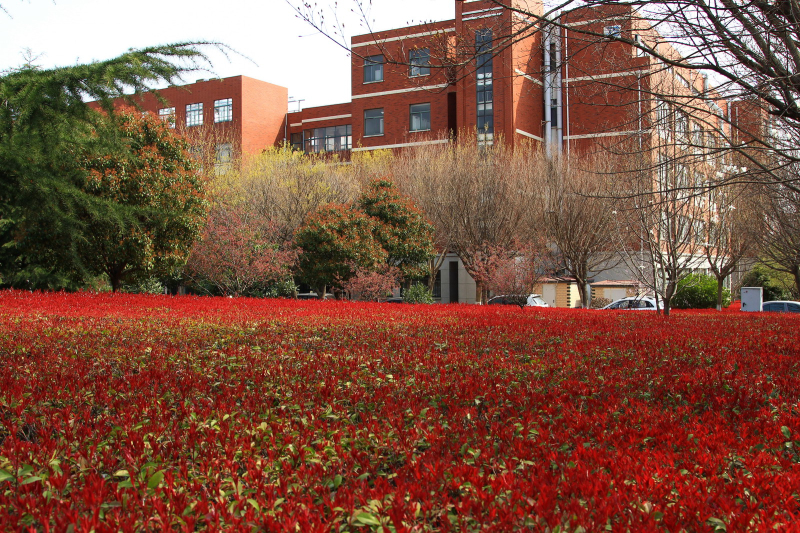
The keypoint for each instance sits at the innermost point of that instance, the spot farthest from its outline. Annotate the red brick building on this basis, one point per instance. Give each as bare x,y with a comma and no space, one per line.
426,83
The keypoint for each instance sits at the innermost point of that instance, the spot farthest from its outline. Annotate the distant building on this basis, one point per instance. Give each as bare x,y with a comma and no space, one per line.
425,84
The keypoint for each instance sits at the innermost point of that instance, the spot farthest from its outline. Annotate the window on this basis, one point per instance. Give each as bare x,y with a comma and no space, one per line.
373,122
681,125
697,138
681,176
223,154
484,92
420,117
297,141
663,118
373,69
167,114
420,60
196,153
194,114
699,184
330,139
638,52
612,31
223,110
699,230
662,171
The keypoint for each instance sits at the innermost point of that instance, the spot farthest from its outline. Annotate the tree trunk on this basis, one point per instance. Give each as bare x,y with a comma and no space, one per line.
115,278
720,282
669,292
582,292
797,280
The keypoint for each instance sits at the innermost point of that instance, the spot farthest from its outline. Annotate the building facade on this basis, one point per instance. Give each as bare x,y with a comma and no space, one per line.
564,88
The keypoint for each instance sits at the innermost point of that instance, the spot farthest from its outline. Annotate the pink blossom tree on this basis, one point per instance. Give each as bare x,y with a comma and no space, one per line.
239,252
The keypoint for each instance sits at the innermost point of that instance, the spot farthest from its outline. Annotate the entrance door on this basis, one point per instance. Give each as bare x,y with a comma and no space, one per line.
453,282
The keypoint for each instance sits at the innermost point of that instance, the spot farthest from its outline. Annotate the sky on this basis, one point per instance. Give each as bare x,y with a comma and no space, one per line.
270,43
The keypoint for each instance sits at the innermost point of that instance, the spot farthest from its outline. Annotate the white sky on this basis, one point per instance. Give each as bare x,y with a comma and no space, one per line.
65,32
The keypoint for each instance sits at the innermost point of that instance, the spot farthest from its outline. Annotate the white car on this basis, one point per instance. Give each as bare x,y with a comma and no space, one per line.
635,303
531,300
781,306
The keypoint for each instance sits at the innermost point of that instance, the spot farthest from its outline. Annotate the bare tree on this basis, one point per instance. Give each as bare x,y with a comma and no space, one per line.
285,187
477,199
782,216
733,231
579,218
657,232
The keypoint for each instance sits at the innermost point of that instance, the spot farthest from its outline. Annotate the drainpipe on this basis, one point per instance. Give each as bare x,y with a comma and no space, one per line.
557,86
566,84
548,91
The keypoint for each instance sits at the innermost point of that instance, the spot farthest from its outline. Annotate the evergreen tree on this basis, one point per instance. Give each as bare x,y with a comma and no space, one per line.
46,132
156,183
403,231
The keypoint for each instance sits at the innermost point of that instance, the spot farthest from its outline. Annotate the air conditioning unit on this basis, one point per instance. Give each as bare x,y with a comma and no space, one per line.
752,298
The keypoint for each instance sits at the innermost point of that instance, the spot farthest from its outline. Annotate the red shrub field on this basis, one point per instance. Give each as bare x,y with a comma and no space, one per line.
122,413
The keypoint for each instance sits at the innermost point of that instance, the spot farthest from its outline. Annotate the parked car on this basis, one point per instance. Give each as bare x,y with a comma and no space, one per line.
394,300
635,303
314,296
530,300
781,306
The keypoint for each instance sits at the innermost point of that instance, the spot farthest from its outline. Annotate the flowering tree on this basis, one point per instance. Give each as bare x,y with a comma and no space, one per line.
511,269
372,284
240,250
146,167
336,241
518,273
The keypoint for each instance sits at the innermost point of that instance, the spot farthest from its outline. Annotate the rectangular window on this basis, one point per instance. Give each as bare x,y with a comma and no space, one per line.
638,52
167,114
553,53
663,118
484,91
420,61
681,125
223,154
373,69
330,139
612,31
373,122
297,141
223,110
662,171
194,114
196,152
420,117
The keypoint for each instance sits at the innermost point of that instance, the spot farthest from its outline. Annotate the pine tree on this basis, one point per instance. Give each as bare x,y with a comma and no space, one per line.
46,128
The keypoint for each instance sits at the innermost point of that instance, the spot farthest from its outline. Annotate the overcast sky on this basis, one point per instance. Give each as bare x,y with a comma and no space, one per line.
281,48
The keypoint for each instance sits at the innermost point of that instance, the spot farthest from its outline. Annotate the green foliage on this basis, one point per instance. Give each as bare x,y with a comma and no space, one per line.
153,179
776,285
403,231
699,291
144,286
281,289
418,293
46,131
336,241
